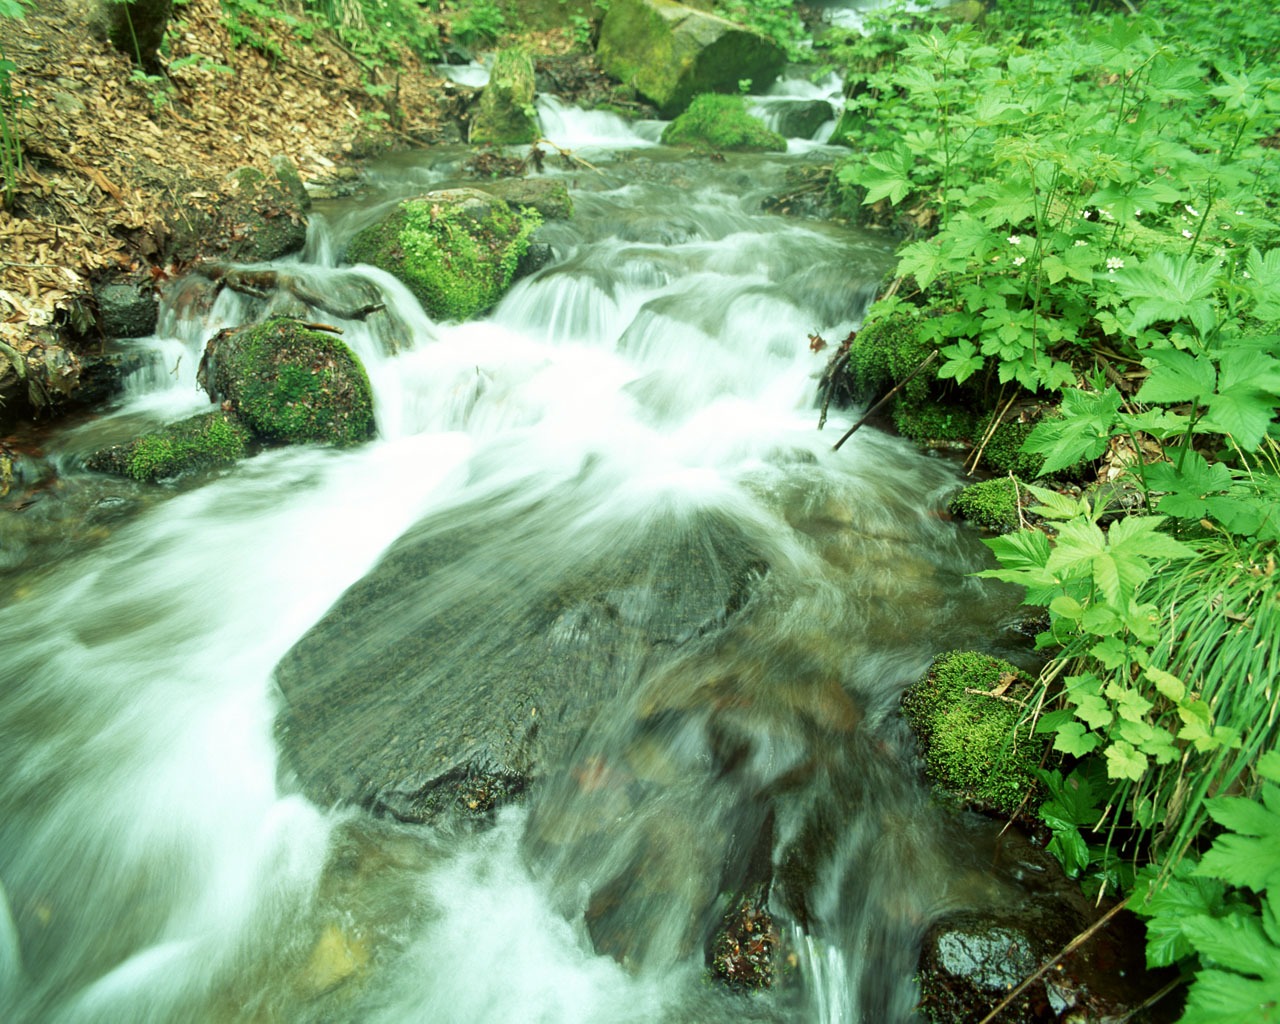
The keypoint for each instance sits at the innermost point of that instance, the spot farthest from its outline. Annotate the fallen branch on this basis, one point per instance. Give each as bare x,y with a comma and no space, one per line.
876,408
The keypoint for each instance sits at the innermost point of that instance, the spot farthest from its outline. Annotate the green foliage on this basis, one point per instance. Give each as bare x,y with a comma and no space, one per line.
458,261
11,106
933,423
886,350
721,123
776,19
480,24
965,713
992,504
14,8
1202,910
1110,189
200,442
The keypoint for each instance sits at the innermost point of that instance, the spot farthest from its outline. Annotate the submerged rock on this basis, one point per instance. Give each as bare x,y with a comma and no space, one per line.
506,116
289,383
669,52
432,689
457,250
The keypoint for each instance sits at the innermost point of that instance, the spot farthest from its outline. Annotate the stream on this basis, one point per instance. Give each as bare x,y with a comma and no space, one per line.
651,391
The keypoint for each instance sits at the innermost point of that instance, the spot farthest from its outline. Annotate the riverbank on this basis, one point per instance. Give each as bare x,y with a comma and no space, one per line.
113,160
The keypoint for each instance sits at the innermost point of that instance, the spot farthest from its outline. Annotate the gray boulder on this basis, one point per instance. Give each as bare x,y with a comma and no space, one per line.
431,690
669,52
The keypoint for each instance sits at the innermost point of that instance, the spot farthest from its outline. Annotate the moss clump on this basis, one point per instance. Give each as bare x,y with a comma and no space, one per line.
456,250
1003,452
973,742
885,351
290,383
200,442
933,423
992,504
717,122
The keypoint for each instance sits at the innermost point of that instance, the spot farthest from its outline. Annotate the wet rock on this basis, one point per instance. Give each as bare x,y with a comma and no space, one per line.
48,379
506,115
289,383
744,951
430,691
126,311
199,442
457,250
972,957
548,196
801,120
670,52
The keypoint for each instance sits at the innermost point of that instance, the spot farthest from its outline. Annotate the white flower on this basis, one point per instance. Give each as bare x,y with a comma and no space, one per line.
1137,213
1186,233
1192,210
1080,242
1239,213
1015,239
1114,263
1019,260
1247,274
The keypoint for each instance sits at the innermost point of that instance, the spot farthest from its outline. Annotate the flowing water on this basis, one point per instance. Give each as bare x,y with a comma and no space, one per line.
657,375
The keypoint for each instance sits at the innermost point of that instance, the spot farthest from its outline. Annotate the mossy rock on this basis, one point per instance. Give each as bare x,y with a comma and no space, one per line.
670,52
885,352
506,116
721,123
934,424
457,250
990,504
289,383
967,715
1003,452
204,441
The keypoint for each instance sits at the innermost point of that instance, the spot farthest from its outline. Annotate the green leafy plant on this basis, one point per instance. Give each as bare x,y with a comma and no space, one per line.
11,104
1225,911
479,24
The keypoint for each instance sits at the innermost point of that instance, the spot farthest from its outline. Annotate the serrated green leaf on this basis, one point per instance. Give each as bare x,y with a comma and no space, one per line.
1093,710
1082,433
1166,683
1221,997
1167,288
1235,941
1177,377
1124,762
1072,739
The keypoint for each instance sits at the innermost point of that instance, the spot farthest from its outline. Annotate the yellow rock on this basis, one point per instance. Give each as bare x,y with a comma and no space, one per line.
335,958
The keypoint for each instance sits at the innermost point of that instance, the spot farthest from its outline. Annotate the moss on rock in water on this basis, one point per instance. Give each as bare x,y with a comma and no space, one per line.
885,352
290,383
456,250
718,122
972,740
506,116
992,504
200,442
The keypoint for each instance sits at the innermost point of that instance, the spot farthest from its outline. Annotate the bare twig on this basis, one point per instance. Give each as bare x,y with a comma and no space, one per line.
876,408
987,435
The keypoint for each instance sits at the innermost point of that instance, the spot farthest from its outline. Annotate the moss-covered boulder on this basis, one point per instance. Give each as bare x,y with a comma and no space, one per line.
721,123
990,504
506,116
967,714
548,196
457,250
204,441
290,383
669,52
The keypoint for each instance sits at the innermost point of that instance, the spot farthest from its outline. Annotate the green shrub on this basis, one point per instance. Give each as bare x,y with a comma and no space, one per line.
991,504
966,714
718,122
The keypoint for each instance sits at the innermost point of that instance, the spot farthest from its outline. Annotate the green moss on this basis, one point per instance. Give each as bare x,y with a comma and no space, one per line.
933,423
717,122
1003,452
291,384
885,351
457,253
992,504
973,743
200,442
506,115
